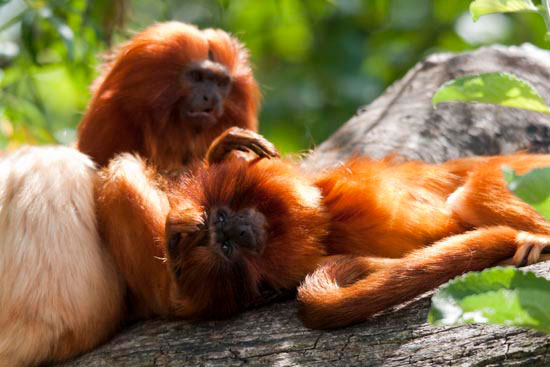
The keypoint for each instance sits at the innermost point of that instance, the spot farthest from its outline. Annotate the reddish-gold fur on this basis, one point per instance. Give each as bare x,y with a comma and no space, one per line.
216,288
134,107
380,232
133,201
131,211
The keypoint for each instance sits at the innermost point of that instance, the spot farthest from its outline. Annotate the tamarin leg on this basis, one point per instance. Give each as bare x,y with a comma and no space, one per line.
484,200
480,204
325,303
132,212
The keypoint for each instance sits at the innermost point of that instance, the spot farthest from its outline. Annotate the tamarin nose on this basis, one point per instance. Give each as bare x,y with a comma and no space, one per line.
209,103
240,233
243,228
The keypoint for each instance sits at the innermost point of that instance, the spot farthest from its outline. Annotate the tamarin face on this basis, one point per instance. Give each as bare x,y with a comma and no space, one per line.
181,74
239,229
208,84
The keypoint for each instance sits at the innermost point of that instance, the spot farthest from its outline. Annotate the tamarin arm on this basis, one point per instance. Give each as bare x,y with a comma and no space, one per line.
325,303
132,211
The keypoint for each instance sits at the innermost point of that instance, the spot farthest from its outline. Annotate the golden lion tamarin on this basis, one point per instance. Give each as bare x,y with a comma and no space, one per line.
60,294
360,237
167,94
133,201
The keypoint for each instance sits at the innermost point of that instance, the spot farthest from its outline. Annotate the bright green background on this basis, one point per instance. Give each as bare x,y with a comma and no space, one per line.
317,61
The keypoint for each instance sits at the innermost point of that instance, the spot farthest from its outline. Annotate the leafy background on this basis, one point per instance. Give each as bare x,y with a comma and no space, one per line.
317,61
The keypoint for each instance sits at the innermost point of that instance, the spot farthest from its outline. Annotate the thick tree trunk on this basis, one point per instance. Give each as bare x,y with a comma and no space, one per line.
402,121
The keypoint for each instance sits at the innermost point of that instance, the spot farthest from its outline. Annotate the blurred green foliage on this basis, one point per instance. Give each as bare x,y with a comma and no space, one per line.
317,61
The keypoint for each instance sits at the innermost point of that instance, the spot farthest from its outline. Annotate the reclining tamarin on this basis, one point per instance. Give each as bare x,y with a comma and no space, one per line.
358,238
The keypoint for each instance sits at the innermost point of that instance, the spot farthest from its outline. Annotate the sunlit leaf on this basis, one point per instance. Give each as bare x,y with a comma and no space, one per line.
503,296
533,188
501,89
484,7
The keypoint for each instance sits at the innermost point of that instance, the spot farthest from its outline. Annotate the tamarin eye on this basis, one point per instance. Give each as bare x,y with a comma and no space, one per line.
222,216
227,248
223,82
174,242
195,76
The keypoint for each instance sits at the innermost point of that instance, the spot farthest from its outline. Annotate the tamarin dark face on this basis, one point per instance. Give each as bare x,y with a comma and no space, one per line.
237,229
232,232
208,84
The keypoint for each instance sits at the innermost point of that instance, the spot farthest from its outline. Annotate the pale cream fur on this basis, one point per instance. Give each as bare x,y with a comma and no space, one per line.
59,292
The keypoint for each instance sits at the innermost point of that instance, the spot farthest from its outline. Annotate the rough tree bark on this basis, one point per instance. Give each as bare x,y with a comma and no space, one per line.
401,121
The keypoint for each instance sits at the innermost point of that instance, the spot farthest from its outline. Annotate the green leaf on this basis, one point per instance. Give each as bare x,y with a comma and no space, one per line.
545,12
484,7
502,296
533,188
501,89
